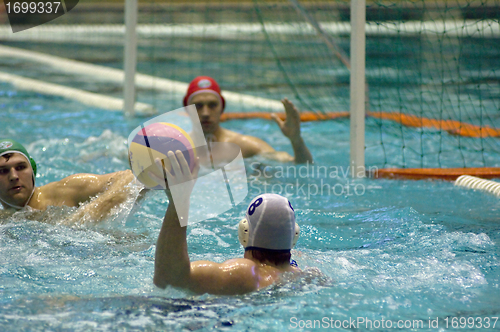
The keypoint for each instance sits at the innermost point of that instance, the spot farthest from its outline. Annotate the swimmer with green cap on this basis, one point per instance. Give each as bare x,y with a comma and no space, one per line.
17,174
18,190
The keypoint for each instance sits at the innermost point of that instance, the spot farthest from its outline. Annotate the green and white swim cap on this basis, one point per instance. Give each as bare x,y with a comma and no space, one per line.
8,145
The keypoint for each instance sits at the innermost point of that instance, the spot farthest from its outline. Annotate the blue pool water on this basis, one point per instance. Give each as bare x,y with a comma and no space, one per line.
408,252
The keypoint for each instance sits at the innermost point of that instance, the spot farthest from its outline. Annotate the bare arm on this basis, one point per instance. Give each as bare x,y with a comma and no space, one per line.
80,188
251,146
172,264
112,190
291,129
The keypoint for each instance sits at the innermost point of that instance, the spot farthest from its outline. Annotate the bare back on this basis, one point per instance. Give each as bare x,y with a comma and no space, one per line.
234,276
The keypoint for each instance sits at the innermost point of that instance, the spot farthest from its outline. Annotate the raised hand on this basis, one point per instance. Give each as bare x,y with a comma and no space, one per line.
181,174
291,126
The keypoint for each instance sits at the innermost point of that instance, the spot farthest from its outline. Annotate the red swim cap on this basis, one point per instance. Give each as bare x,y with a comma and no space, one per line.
203,84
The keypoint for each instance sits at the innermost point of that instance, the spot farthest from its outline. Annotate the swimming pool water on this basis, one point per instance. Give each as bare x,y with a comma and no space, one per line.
391,251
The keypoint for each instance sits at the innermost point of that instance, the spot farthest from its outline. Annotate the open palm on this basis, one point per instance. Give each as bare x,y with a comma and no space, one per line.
290,127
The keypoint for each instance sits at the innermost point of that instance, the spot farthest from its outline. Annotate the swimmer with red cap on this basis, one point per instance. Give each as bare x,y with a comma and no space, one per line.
205,94
18,190
267,233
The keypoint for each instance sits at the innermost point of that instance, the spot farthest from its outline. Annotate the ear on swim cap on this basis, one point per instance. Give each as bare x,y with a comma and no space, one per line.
269,224
203,84
8,145
243,233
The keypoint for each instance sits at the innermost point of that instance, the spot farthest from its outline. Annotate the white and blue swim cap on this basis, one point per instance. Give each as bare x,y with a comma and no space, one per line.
269,224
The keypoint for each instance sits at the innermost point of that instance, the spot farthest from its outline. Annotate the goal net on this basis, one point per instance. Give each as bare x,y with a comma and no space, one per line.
432,69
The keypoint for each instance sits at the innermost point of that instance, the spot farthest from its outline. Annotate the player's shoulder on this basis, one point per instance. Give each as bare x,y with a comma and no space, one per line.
55,193
232,136
76,180
58,188
258,274
242,268
89,179
71,185
239,263
250,145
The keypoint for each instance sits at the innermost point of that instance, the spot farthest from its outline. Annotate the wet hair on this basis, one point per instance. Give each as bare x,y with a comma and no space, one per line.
276,257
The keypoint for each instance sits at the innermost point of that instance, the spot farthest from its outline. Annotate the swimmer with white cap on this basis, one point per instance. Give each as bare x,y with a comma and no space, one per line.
18,190
268,233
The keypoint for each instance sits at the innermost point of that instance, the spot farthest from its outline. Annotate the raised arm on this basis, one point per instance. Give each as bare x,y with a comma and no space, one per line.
291,129
251,146
172,264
